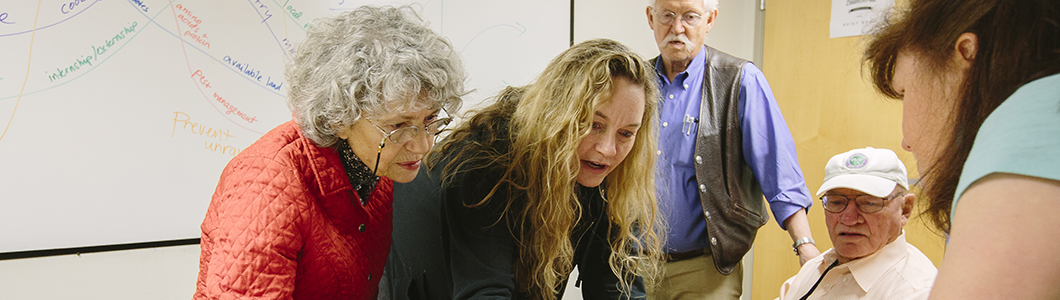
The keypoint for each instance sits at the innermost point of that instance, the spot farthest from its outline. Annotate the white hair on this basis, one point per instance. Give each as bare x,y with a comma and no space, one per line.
366,63
708,5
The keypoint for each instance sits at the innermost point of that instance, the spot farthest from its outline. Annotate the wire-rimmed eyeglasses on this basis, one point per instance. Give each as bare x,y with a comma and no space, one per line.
668,17
866,203
405,134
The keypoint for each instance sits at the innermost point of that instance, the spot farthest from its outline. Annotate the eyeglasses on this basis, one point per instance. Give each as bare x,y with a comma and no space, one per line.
405,134
866,203
689,18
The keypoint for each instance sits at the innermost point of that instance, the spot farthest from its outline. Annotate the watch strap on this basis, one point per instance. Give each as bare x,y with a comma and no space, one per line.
799,242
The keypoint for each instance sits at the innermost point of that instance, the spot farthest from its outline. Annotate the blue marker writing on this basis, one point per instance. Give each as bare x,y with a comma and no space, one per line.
267,15
69,7
3,17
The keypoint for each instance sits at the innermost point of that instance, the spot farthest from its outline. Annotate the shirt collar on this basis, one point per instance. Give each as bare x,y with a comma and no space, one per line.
695,67
868,270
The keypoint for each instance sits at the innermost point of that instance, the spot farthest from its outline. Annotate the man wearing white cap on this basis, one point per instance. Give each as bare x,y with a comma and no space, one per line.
866,204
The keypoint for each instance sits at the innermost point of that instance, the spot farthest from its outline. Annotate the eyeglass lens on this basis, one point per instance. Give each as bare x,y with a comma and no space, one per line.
690,18
406,134
865,203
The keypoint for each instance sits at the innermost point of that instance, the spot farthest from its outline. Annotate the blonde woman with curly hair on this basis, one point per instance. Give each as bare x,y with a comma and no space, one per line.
553,175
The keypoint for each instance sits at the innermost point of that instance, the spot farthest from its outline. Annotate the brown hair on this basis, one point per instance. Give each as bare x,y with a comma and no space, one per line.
1018,42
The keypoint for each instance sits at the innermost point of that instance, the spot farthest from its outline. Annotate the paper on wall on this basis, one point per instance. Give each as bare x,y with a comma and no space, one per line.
856,17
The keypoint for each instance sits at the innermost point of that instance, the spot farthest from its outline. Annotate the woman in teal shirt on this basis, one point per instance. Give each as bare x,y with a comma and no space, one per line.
981,114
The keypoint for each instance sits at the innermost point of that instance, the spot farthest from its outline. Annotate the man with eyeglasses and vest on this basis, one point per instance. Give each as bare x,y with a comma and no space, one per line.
866,203
724,147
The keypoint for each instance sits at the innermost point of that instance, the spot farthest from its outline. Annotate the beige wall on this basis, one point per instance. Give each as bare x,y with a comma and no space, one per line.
830,107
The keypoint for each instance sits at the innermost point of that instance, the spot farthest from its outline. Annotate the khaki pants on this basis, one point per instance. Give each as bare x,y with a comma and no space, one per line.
697,278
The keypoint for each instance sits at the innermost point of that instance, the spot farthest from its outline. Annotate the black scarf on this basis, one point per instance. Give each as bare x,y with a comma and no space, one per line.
361,177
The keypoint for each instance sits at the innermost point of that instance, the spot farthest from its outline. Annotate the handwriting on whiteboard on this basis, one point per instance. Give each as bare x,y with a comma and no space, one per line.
189,19
97,50
182,121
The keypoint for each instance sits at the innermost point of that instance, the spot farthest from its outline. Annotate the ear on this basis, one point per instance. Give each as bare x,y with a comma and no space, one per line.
907,204
711,17
965,49
651,18
343,133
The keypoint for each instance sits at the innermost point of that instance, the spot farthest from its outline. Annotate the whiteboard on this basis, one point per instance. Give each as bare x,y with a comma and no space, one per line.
117,117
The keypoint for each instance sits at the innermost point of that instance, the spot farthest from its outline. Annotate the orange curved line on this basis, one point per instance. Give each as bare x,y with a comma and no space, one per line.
29,62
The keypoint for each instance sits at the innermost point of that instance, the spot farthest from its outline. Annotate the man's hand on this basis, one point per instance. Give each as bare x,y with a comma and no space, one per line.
798,226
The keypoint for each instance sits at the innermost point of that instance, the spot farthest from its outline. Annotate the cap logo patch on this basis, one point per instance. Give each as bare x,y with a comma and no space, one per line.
857,161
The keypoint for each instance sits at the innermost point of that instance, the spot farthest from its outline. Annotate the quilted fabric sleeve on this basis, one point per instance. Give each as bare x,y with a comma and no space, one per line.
252,233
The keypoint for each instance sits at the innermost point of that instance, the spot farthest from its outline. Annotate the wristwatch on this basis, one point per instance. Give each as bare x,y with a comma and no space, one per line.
799,242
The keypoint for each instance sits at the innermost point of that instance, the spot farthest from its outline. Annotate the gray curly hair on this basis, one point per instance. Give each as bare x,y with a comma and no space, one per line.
370,62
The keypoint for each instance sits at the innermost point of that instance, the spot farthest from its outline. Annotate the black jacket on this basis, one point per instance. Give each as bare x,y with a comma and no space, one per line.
444,249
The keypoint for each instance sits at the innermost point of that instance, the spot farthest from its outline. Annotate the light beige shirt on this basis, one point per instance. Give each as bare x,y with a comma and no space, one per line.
898,271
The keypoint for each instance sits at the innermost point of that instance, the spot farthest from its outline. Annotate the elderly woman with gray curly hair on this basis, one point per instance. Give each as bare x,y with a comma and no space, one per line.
305,212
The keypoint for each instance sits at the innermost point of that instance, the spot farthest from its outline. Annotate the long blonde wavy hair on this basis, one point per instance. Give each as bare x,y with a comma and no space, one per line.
546,121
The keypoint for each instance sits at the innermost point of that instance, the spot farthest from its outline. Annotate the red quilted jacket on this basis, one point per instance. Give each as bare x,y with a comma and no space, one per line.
284,223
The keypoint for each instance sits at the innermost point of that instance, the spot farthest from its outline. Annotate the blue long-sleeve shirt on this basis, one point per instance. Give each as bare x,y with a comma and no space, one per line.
768,149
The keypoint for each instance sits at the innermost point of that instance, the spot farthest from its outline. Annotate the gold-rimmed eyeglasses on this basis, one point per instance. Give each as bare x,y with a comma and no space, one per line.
866,203
405,134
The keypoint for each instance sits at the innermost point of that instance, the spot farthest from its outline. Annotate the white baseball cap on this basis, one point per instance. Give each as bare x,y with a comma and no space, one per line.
869,170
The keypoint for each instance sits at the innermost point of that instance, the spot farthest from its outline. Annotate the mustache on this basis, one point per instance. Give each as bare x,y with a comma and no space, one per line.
848,229
675,38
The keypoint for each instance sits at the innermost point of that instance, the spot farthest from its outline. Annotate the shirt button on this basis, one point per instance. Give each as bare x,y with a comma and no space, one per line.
714,241
699,159
666,124
671,96
702,188
658,152
362,228
707,213
369,276
686,86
